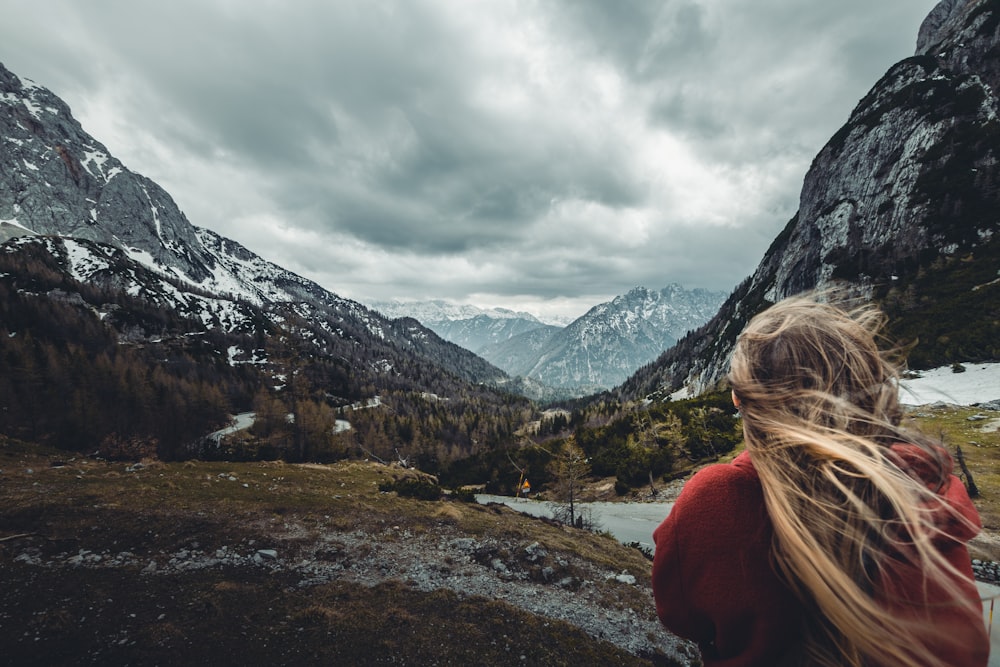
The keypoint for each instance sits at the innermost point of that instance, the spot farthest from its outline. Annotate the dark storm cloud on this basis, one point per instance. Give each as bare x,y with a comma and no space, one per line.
506,149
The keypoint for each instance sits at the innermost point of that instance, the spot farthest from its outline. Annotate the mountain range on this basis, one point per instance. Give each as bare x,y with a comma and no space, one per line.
119,319
469,326
594,352
112,252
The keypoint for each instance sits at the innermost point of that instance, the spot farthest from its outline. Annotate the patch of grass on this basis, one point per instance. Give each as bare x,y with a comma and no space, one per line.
980,443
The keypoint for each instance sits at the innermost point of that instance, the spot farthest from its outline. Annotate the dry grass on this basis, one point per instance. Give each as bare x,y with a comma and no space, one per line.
979,439
61,505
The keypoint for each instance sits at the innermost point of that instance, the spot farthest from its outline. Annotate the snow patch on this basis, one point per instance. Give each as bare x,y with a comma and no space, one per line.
82,262
142,257
97,160
979,383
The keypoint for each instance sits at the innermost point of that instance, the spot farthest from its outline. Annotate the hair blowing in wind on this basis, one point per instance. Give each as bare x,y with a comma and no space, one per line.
861,521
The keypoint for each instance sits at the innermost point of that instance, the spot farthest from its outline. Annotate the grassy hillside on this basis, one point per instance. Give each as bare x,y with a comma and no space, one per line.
224,563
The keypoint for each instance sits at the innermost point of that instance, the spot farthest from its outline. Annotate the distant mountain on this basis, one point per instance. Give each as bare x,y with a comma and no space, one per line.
607,344
468,326
902,203
439,310
85,237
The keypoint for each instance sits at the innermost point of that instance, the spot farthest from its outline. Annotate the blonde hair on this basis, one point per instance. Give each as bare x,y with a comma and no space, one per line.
820,414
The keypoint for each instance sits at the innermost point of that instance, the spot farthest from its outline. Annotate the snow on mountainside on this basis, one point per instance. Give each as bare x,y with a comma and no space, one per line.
594,352
468,326
608,343
121,230
60,180
439,310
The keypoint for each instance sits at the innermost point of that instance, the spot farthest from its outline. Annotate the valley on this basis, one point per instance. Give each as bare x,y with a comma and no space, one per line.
141,522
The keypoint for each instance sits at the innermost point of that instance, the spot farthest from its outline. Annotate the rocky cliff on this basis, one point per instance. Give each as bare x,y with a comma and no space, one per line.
57,179
902,203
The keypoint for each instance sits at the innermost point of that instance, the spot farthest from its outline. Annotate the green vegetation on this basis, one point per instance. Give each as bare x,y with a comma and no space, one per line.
86,367
662,440
977,434
948,310
422,488
637,444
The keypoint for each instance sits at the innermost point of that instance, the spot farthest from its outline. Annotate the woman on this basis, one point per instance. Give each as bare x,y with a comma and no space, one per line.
835,538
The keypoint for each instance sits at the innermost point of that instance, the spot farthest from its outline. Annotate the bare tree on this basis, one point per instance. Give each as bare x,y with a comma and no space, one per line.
970,484
569,469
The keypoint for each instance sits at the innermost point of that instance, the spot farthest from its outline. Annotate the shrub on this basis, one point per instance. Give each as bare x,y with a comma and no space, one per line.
115,447
464,495
644,550
420,488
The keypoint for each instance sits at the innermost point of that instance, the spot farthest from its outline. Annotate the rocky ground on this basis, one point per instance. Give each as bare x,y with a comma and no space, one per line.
525,575
220,563
109,564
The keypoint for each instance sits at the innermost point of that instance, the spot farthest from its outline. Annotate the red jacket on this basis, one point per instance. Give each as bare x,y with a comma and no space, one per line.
714,583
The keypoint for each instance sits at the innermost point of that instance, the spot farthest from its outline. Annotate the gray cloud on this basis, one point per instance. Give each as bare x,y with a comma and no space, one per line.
547,153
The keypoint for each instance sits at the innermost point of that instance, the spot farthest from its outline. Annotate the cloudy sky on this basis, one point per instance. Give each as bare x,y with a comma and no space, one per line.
539,155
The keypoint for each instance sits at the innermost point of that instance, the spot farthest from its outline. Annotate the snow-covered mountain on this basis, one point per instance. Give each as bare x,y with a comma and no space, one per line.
468,326
77,225
595,352
439,310
60,181
602,348
902,203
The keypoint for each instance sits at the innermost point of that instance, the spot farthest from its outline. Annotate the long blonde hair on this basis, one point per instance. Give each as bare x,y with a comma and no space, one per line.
820,414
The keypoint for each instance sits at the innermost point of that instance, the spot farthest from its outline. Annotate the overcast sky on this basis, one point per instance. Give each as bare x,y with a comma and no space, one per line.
544,156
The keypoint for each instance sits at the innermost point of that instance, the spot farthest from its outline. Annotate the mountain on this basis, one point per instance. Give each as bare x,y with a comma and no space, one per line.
439,310
99,267
603,347
901,204
470,327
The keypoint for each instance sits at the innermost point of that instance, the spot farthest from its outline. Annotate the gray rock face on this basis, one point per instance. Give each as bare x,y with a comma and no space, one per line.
910,177
943,19
109,226
60,180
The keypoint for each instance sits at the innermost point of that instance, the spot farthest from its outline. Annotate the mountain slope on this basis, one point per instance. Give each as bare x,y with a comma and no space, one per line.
73,218
604,346
902,203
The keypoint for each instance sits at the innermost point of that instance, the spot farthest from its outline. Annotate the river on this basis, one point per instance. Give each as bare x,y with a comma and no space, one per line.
628,522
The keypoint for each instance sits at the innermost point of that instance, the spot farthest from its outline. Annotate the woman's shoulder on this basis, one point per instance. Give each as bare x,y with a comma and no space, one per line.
740,469
726,497
721,481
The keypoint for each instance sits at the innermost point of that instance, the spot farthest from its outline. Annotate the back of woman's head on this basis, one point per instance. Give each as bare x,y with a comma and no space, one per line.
810,362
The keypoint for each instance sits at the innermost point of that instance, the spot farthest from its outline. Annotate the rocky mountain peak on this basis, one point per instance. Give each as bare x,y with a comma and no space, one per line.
63,181
946,17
